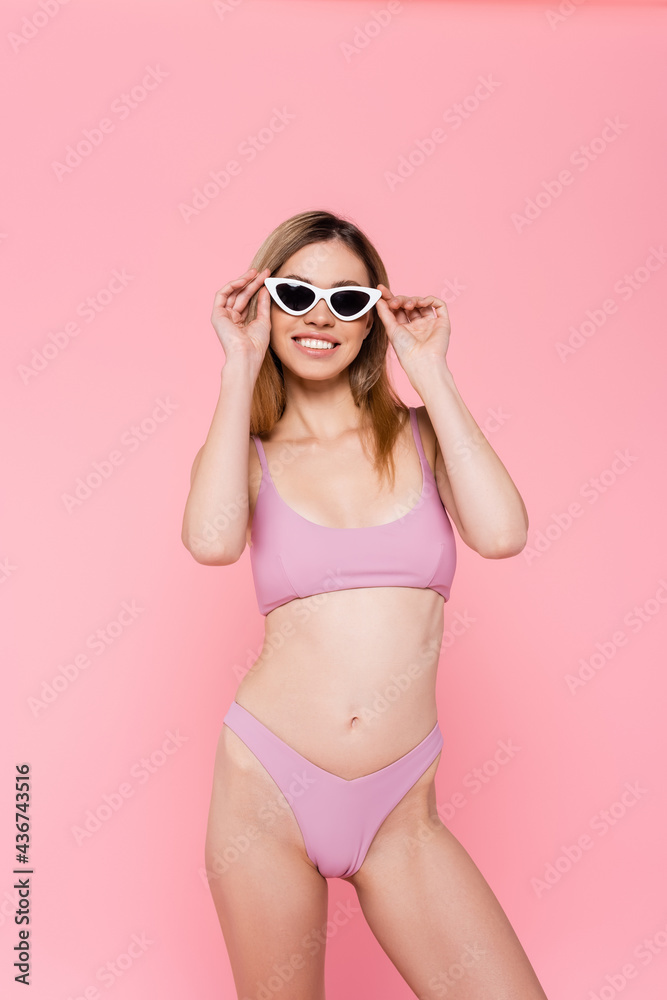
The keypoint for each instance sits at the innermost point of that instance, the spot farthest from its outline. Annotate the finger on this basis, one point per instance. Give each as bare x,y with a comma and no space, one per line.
384,305
264,303
423,308
393,301
242,296
438,306
394,312
399,303
237,283
227,295
403,305
430,300
388,297
422,304
386,315
407,301
422,301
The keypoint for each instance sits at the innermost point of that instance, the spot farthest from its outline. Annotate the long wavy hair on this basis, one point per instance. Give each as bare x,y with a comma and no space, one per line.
383,412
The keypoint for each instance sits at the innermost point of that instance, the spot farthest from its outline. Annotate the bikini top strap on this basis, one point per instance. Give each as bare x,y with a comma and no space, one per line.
417,436
262,455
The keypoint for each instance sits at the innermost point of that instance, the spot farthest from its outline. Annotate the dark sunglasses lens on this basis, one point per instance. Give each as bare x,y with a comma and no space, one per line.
296,297
349,303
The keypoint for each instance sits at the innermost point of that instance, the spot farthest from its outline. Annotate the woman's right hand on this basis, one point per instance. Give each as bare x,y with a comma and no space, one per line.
230,309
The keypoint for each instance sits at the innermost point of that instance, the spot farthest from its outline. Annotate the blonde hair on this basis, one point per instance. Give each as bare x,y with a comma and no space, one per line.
383,412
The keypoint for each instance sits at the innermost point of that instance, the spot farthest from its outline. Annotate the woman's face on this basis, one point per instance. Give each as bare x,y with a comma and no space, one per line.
325,265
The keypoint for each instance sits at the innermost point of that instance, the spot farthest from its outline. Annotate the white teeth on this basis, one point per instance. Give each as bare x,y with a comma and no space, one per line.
307,342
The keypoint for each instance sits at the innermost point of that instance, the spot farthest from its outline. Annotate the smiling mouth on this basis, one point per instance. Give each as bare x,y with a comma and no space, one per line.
315,343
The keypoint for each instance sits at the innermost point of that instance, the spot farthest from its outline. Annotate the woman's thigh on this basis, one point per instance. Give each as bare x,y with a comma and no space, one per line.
270,898
434,913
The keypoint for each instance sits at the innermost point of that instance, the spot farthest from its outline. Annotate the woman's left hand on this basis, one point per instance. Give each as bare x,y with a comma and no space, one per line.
419,336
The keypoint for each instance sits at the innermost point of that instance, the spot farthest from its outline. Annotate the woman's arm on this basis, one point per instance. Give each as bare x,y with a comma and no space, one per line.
473,483
215,520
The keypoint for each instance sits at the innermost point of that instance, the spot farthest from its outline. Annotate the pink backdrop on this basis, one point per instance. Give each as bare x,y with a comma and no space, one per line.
508,158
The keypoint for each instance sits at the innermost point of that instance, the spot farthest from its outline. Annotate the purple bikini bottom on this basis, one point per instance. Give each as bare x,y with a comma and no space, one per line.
338,818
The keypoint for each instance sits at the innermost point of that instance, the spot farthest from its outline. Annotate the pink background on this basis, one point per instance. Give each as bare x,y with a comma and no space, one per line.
515,292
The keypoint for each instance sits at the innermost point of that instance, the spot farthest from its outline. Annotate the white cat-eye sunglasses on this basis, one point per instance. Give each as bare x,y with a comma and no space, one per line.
298,297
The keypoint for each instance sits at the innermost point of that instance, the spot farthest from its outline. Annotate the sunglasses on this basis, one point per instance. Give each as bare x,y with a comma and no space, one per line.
298,297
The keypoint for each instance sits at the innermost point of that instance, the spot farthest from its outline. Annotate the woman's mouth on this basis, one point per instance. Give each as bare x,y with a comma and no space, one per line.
314,346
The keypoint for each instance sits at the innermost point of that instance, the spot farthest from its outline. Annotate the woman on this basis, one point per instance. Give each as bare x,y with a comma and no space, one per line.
326,761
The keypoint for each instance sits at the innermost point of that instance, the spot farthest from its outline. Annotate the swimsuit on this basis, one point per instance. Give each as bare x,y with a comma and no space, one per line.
292,557
338,818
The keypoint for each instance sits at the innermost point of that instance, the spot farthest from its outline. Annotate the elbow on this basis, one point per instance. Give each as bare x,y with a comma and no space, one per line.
504,546
209,555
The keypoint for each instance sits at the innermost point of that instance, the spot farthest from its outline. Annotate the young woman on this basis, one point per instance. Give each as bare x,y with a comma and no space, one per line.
327,756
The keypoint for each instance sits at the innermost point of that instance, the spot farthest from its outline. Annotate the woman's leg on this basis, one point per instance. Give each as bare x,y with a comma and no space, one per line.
433,912
270,898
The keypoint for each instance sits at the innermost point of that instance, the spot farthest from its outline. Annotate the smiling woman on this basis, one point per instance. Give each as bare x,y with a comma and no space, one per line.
351,497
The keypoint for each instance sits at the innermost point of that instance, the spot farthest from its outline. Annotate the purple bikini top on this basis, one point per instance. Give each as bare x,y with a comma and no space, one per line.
292,557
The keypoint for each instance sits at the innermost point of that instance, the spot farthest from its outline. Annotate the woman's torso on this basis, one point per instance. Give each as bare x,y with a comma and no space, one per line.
347,677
